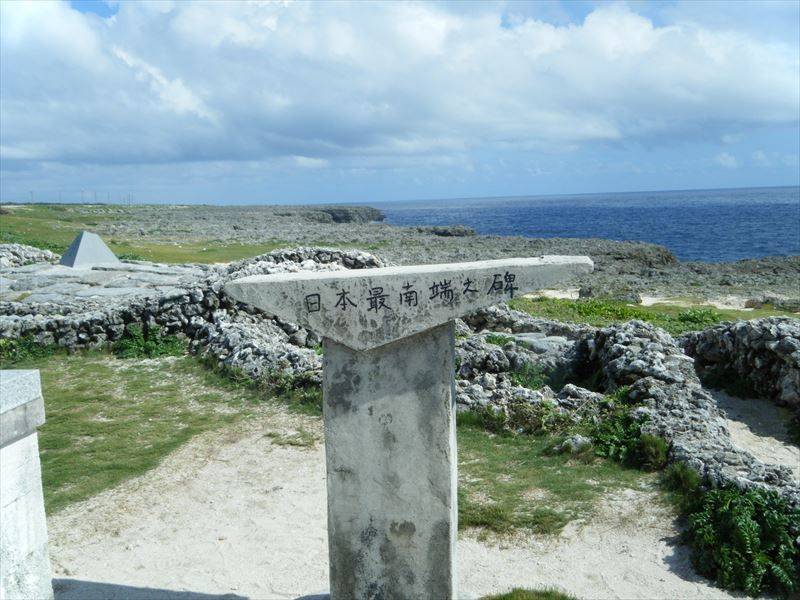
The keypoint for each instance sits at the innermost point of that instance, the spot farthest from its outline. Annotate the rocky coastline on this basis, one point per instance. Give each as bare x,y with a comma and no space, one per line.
622,269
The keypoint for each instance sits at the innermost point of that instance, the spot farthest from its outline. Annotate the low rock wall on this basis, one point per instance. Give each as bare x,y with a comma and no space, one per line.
764,354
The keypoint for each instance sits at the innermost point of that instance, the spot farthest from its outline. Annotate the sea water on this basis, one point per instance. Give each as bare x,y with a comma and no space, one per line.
706,225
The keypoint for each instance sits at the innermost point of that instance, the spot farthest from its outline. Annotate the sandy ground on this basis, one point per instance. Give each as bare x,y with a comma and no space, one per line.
760,427
233,515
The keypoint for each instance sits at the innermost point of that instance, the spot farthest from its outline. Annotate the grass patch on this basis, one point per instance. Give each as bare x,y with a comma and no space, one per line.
510,482
112,419
195,251
599,313
526,594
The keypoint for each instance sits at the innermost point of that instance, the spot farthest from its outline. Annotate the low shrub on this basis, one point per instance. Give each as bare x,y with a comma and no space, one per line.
130,256
498,339
651,452
616,436
683,484
530,376
698,318
24,349
524,418
299,392
745,540
140,342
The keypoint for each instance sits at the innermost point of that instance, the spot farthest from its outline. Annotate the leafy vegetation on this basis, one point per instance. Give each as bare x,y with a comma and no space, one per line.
743,540
525,594
530,376
25,349
672,318
141,342
498,339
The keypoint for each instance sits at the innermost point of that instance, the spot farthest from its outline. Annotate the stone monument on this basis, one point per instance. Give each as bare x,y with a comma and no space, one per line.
24,561
87,250
388,410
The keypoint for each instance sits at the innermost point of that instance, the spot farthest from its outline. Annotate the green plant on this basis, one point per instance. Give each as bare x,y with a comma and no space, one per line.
744,540
24,349
130,256
140,342
652,452
683,484
617,435
530,376
300,392
498,339
699,318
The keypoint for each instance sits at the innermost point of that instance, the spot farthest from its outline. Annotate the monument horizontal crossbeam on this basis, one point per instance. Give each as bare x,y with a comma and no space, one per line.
367,308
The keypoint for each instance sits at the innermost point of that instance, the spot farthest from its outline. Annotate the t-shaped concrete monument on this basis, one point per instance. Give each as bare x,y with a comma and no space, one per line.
388,383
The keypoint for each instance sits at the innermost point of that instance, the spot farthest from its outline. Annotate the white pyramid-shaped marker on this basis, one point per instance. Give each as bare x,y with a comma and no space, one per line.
86,250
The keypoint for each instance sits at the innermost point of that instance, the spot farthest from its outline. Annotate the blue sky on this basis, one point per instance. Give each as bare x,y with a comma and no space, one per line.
285,102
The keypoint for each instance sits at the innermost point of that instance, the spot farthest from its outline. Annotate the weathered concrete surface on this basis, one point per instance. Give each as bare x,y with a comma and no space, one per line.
21,404
367,308
24,560
86,250
391,464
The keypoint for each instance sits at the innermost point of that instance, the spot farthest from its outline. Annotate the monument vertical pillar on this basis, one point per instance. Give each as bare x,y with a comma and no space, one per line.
24,560
391,464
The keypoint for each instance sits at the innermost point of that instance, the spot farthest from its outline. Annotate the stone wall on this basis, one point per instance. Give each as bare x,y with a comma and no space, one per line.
662,378
764,354
18,255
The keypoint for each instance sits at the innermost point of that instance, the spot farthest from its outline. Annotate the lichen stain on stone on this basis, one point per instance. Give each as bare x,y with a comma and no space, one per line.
439,577
403,531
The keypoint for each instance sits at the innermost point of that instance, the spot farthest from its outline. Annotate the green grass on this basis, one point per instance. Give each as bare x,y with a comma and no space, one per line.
110,419
525,594
599,313
53,227
194,251
511,482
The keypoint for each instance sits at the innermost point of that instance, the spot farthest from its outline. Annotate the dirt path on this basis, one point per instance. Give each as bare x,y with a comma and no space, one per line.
234,515
759,427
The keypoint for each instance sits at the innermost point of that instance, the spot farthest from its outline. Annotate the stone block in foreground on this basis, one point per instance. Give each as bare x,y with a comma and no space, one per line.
389,407
24,561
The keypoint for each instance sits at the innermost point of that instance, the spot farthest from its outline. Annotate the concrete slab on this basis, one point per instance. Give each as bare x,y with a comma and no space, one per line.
86,250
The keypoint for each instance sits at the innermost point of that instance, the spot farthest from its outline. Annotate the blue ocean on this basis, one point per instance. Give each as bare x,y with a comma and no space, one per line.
705,225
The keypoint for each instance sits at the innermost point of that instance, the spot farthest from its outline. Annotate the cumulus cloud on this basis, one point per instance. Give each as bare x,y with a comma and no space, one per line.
727,160
354,84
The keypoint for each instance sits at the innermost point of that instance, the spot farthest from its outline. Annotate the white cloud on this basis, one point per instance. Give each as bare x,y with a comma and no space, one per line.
724,159
760,158
339,83
307,162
